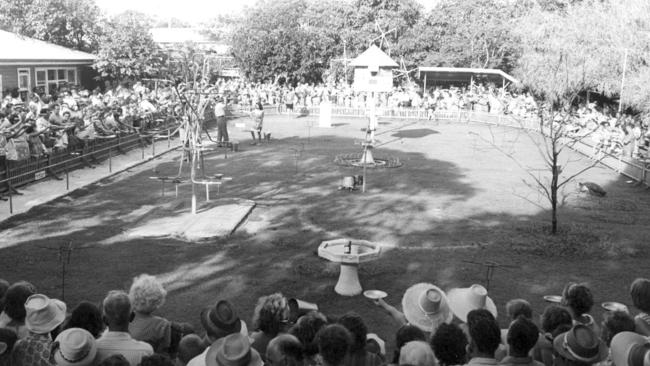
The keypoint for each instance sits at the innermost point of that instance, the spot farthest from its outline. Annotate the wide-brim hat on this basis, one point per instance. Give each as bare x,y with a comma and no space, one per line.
43,314
74,347
580,344
464,300
232,350
630,349
426,306
221,319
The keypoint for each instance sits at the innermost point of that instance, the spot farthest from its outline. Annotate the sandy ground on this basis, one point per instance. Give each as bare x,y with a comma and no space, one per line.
455,202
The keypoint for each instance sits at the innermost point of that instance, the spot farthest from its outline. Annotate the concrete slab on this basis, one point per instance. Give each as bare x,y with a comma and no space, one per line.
217,219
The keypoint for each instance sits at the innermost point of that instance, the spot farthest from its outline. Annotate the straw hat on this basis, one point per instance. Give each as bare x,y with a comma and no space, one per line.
426,306
74,347
232,350
43,314
630,349
580,344
464,300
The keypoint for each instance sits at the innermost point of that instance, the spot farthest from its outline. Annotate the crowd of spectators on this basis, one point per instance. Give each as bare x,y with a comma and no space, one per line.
434,327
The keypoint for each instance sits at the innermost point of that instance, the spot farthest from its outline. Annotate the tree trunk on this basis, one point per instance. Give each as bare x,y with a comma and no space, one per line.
554,183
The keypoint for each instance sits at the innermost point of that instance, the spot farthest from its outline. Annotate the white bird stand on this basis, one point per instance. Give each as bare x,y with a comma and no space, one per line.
348,284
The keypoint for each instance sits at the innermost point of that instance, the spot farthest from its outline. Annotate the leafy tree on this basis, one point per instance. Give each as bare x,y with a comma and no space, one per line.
127,48
70,23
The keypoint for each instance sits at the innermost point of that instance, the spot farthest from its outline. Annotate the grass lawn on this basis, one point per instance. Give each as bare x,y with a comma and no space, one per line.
454,201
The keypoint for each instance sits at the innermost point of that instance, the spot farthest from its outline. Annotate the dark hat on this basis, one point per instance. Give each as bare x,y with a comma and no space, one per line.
580,344
221,319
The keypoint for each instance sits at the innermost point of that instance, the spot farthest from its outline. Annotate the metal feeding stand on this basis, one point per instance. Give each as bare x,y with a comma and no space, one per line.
490,266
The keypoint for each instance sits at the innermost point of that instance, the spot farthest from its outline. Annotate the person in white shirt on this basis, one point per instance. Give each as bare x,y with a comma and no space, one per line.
116,311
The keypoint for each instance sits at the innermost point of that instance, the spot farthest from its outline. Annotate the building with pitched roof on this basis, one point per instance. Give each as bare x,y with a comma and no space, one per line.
27,63
373,70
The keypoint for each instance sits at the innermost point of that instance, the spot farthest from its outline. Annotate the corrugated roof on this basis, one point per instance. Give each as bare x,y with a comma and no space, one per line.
462,73
19,48
374,56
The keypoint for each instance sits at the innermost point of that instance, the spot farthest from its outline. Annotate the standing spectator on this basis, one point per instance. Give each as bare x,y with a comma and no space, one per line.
357,355
554,320
258,121
578,297
43,315
270,317
640,293
485,337
8,339
417,353
233,350
284,350
86,316
522,337
449,344
74,347
117,314
148,295
13,316
189,347
306,329
333,344
222,124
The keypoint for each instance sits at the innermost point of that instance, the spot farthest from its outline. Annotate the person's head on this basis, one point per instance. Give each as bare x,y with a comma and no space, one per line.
86,316
221,319
449,344
146,294
284,350
333,344
73,347
116,310
407,333
157,359
555,316
7,340
115,360
306,329
484,331
15,298
271,314
522,336
517,307
578,297
190,346
615,322
357,328
640,293
417,353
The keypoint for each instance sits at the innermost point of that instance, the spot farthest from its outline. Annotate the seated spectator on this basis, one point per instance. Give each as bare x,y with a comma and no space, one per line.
615,322
630,349
13,316
449,344
417,353
357,354
284,350
116,310
640,293
485,337
189,347
233,350
580,346
306,329
270,318
157,359
219,320
148,295
86,316
8,339
333,344
522,337
43,315
555,320
578,298
74,347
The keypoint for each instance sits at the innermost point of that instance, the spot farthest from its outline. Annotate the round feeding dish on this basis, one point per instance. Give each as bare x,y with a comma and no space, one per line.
349,253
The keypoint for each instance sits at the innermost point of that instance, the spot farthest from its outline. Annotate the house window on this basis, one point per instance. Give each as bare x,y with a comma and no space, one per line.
51,79
23,80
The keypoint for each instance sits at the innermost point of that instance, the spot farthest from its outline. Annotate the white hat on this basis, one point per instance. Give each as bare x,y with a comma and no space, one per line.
630,349
464,300
74,347
426,307
43,314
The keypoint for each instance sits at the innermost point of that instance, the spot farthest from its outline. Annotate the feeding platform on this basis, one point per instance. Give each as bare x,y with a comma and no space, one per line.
349,253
